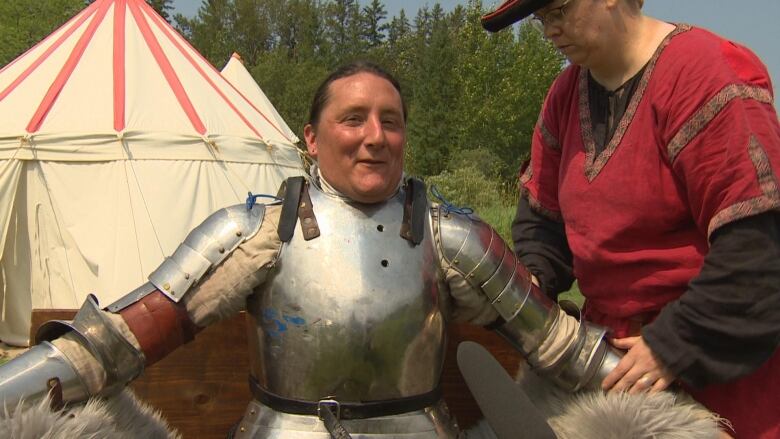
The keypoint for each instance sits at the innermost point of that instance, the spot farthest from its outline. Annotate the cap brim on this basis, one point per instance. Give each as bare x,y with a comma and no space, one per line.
510,12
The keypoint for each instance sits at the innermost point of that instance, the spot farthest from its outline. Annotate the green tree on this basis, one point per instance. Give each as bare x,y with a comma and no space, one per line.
211,30
23,23
373,28
502,79
162,7
432,91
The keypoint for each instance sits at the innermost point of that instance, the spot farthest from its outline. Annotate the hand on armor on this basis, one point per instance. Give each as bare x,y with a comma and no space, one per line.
638,371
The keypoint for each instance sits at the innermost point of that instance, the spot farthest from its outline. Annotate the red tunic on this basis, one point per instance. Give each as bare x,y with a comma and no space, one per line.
698,147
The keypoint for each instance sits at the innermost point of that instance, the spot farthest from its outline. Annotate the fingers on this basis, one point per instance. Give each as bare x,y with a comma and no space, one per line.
613,378
625,343
643,384
630,379
661,384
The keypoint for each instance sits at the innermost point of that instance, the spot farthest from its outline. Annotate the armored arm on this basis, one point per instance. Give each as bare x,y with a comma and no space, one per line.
572,353
115,343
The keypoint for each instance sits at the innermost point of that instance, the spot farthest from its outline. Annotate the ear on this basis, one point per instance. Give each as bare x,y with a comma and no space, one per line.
311,140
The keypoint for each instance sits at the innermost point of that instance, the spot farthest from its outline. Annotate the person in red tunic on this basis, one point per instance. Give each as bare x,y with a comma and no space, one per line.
653,181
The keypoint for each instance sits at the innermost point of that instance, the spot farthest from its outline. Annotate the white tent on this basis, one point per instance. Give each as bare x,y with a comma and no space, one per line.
116,139
235,72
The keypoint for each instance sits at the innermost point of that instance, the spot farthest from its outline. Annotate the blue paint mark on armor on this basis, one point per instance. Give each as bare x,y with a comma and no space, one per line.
276,327
269,314
295,320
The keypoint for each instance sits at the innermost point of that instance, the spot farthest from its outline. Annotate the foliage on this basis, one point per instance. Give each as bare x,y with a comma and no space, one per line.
473,97
466,90
25,22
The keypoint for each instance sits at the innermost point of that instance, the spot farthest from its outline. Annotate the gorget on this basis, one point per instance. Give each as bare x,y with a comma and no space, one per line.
353,314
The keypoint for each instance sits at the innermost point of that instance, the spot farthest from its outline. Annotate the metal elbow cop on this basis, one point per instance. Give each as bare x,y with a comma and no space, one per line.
44,368
476,251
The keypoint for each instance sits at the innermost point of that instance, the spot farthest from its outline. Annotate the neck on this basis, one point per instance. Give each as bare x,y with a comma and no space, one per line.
632,44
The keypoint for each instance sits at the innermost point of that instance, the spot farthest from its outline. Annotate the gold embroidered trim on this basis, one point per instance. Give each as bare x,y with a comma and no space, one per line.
594,164
767,180
704,115
547,136
537,206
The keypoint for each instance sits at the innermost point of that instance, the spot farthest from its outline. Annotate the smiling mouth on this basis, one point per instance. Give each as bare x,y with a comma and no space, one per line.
371,162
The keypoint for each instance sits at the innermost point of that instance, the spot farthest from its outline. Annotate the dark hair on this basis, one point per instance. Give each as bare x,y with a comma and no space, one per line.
322,94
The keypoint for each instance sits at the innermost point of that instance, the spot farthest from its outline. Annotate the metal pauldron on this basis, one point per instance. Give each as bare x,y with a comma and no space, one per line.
206,246
474,249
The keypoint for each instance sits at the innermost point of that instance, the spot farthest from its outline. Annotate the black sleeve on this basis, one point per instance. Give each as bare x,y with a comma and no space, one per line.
728,322
541,245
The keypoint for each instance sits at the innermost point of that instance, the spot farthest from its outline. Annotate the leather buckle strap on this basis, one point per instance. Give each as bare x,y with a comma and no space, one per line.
345,410
325,404
330,419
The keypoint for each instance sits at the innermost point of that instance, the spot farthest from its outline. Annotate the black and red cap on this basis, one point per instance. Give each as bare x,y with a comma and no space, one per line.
510,12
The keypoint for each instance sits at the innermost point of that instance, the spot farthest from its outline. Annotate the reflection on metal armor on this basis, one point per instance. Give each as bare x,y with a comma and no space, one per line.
29,375
475,250
206,246
352,315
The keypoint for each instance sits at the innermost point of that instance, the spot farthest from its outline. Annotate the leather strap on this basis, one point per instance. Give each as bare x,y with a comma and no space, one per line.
331,420
347,410
415,203
289,215
159,324
309,224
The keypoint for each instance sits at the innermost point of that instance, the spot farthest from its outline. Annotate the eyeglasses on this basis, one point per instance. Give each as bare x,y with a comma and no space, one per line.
553,17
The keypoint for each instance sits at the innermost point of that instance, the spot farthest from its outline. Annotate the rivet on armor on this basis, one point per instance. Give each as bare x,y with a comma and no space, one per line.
385,262
167,286
303,204
242,429
239,233
471,275
456,261
252,412
381,228
187,276
222,249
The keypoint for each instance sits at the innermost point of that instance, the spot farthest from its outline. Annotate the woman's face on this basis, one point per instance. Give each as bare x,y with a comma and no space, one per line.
359,140
582,33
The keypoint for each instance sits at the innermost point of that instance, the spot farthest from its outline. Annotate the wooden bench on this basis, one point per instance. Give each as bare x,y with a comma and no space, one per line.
201,388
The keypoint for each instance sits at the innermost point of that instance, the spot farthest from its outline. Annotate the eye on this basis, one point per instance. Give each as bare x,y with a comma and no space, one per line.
391,122
353,119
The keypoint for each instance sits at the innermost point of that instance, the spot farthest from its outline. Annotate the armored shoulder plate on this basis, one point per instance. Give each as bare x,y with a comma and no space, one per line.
206,246
476,250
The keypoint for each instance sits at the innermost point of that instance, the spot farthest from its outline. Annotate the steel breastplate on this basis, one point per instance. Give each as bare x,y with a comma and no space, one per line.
353,314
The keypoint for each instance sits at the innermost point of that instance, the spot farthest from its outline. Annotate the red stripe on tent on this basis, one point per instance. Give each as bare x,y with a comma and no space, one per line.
174,36
119,64
78,20
67,69
157,20
165,66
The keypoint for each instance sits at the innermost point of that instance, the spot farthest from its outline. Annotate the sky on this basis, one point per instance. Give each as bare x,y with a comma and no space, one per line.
753,23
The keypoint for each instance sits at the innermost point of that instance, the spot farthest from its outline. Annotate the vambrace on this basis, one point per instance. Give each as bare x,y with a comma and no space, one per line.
152,313
530,319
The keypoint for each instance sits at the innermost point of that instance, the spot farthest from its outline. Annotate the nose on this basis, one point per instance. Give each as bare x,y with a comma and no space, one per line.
374,133
551,30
